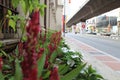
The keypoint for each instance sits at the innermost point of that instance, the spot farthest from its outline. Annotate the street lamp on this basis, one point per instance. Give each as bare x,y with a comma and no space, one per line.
64,21
64,17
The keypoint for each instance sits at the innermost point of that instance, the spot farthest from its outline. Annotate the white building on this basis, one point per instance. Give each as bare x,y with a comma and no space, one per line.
53,14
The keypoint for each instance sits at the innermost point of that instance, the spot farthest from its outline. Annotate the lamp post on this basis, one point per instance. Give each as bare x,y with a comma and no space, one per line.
64,17
64,21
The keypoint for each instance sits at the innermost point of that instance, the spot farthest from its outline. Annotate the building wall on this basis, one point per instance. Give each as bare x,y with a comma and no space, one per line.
53,14
19,32
59,12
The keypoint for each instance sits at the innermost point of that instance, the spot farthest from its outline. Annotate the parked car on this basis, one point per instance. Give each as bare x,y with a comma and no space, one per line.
105,34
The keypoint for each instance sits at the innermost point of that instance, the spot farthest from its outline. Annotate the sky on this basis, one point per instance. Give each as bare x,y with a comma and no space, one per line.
75,6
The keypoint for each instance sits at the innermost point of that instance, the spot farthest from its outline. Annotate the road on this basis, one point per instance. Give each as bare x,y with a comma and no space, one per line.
108,46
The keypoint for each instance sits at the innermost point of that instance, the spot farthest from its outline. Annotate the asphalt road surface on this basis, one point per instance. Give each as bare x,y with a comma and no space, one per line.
108,46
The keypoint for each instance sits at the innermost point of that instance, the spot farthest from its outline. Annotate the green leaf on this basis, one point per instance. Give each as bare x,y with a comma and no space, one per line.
11,58
31,8
90,70
18,71
15,3
72,74
15,18
30,5
23,4
4,53
1,76
41,62
42,9
5,66
61,67
65,69
11,78
24,38
12,24
46,75
36,1
16,51
9,13
99,76
53,56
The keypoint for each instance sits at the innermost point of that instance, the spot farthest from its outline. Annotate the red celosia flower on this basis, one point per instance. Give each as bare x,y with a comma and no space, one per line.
46,62
51,47
34,27
40,78
33,74
20,48
54,74
1,63
30,56
40,53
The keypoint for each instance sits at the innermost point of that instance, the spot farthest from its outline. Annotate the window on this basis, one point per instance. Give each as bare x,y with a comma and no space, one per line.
6,31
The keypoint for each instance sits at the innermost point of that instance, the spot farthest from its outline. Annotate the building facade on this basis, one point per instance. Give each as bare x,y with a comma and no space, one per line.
53,14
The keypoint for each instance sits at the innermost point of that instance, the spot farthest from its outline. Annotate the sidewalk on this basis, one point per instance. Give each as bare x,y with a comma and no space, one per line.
107,65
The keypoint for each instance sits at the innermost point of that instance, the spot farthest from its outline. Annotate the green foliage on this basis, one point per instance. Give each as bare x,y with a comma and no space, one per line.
13,19
1,76
42,6
24,38
72,58
12,24
89,74
29,5
41,63
46,74
64,44
65,69
9,13
25,5
61,67
53,56
18,70
72,74
15,3
3,53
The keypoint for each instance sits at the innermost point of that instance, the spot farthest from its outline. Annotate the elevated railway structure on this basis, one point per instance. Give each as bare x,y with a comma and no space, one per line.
93,8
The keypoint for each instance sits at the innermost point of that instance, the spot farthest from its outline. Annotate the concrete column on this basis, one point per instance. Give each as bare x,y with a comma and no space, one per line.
118,23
